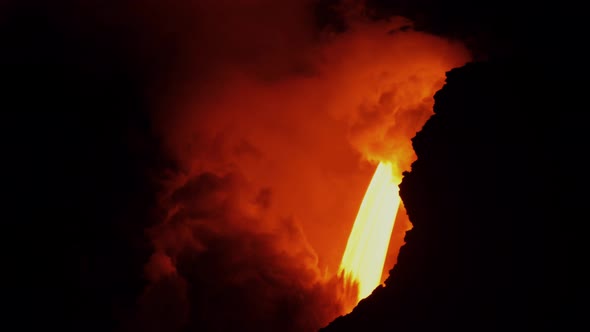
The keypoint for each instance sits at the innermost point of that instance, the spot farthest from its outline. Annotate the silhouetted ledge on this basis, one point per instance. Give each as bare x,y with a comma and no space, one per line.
487,195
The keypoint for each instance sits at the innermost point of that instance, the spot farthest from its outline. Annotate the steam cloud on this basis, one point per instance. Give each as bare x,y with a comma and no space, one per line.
271,121
221,264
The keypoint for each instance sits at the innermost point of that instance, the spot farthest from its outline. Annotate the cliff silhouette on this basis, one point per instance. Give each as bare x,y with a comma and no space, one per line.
489,196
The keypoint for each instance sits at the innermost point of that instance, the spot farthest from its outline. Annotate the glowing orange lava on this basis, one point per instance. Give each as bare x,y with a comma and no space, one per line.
364,257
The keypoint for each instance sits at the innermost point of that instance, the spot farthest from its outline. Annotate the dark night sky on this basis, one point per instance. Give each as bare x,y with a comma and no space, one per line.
80,154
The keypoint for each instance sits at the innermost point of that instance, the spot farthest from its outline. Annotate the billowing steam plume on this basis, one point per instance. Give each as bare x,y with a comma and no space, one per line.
276,126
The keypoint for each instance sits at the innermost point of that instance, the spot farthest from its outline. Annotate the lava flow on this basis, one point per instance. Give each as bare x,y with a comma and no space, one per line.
367,245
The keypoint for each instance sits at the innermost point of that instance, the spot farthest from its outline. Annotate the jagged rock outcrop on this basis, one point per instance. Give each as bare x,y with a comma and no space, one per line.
486,198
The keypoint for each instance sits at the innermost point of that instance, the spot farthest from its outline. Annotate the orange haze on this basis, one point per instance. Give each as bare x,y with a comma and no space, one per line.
308,137
288,123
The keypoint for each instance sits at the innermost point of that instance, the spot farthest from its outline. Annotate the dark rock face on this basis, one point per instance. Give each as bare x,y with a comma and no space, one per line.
486,202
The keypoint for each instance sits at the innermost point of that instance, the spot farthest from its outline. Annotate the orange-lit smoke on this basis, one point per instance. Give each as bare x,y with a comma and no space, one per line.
276,127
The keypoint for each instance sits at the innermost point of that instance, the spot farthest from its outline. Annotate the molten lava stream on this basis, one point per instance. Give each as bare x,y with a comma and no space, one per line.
364,257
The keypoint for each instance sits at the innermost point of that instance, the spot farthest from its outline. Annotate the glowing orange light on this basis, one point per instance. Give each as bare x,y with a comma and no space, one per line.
364,257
